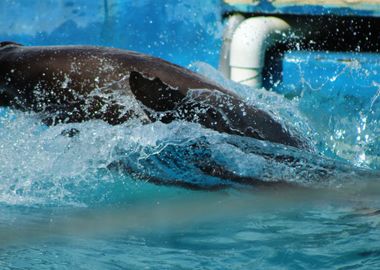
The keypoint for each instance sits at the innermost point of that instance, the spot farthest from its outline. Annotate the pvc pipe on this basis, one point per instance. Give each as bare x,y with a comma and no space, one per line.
249,43
233,22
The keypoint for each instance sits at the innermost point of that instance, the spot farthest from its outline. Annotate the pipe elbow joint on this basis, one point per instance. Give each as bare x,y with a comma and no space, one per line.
249,43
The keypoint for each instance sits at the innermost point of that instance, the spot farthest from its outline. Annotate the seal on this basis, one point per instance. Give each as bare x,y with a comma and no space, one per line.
78,83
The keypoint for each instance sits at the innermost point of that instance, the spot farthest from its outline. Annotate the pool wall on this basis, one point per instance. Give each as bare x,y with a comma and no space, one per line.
307,7
327,46
176,30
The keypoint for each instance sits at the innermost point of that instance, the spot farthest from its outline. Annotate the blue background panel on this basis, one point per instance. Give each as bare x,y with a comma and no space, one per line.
178,31
351,74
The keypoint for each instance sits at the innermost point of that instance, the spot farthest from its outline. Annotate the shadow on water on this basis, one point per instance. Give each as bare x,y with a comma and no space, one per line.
163,209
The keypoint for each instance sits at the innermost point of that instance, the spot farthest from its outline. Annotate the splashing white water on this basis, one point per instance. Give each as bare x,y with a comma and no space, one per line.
42,165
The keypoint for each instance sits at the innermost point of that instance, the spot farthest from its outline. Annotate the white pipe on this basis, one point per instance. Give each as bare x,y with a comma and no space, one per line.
249,43
224,61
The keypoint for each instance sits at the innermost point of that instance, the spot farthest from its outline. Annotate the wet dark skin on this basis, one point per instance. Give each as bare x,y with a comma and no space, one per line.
59,82
77,83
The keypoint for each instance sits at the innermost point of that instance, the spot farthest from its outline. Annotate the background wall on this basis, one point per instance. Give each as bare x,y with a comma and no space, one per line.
177,30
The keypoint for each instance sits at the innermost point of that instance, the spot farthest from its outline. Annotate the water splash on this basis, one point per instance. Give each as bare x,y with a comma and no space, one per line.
103,164
345,124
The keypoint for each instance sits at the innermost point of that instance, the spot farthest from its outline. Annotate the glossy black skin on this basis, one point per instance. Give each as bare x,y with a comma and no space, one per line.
59,82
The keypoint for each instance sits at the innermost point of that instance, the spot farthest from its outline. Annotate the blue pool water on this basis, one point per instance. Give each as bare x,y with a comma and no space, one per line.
62,206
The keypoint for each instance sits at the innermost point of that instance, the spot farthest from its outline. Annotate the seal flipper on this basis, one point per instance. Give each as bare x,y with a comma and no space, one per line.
153,93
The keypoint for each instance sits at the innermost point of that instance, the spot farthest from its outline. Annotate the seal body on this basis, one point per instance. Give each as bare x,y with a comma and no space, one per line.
79,83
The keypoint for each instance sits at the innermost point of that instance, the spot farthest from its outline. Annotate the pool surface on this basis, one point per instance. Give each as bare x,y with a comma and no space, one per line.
63,206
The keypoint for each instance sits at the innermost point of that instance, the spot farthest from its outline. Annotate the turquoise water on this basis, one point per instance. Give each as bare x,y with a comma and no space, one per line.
64,206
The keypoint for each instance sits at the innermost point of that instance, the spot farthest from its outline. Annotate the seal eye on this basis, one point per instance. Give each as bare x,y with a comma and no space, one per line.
6,43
